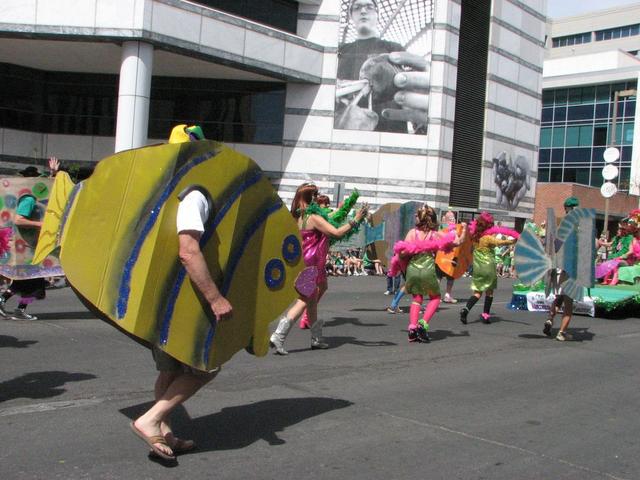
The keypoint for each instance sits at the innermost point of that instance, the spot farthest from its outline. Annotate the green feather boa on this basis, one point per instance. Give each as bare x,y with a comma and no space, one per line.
337,218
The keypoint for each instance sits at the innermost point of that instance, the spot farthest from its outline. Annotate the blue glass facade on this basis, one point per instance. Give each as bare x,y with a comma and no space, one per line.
576,129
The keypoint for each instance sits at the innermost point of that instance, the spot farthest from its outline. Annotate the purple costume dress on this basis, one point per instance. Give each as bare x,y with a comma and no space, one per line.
315,247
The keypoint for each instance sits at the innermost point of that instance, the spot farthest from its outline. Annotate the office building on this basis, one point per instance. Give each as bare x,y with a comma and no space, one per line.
279,80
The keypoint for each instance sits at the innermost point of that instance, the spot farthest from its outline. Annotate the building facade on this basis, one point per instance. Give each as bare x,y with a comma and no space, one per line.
590,83
85,78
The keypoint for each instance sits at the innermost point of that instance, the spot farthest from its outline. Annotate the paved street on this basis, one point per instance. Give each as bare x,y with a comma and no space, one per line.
497,401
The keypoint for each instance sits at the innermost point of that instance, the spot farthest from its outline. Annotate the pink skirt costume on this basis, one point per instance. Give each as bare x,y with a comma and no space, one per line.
315,247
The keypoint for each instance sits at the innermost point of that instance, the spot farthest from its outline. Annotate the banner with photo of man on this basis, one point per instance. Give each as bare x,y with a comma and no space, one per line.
383,65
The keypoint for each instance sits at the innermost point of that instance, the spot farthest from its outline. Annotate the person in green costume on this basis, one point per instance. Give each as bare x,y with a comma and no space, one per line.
485,279
419,248
620,250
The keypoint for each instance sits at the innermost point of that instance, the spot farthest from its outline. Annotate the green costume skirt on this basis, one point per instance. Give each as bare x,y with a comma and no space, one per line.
484,271
421,278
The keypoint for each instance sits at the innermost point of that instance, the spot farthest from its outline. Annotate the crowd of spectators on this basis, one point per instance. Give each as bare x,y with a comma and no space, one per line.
352,262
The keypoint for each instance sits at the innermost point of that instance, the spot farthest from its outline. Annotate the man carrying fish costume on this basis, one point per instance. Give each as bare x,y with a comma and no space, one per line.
236,244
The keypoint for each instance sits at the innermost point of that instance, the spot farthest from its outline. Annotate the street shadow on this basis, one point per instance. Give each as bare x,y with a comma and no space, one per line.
578,334
336,321
367,309
532,336
337,342
86,314
436,335
498,319
13,342
39,385
233,428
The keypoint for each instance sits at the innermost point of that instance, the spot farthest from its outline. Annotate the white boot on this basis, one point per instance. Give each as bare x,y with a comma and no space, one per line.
316,336
280,335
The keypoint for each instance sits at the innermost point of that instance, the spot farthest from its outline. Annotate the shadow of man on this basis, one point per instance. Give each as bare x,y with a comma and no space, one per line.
39,384
237,427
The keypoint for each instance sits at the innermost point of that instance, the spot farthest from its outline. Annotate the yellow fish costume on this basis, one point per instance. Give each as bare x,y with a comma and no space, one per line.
119,248
17,262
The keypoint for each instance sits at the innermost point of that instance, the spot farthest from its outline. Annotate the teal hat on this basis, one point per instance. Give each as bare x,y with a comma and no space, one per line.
572,202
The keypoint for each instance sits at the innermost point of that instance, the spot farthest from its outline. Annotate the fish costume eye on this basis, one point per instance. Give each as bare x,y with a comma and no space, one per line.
274,273
291,249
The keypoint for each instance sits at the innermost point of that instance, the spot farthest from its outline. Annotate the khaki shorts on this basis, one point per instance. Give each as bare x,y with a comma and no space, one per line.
166,363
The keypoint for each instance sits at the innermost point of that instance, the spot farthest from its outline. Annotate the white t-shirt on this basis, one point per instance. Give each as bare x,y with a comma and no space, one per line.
193,212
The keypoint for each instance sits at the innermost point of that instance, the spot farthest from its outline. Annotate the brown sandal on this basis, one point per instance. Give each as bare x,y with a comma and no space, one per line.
152,441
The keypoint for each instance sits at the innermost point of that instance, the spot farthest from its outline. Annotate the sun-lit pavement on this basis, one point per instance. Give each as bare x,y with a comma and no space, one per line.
497,401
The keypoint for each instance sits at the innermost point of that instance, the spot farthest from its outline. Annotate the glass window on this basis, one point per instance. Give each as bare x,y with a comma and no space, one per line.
555,175
582,176
545,137
625,176
600,135
280,14
596,156
603,93
618,139
569,175
627,134
630,108
547,98
617,87
586,136
573,136
625,155
575,96
580,112
560,114
596,177
547,114
544,156
557,137
543,175
588,94
557,155
561,96
602,110
577,155
86,104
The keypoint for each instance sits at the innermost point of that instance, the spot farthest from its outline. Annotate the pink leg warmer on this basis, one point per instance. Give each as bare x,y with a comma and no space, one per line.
304,320
432,306
414,311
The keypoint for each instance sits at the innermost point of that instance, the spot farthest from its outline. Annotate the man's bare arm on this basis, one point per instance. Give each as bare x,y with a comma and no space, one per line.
21,221
193,260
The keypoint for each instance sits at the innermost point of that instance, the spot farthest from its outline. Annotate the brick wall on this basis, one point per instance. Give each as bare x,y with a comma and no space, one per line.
552,195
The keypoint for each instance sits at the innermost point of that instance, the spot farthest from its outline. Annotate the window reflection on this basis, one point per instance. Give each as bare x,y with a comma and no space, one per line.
86,104
580,130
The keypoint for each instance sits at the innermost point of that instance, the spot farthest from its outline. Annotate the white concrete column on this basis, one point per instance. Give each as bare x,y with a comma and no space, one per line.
634,180
134,95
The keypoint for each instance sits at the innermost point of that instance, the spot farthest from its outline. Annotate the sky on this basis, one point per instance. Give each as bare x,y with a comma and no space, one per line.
567,8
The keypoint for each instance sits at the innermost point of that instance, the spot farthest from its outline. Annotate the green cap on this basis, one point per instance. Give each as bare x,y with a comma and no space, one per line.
571,202
195,131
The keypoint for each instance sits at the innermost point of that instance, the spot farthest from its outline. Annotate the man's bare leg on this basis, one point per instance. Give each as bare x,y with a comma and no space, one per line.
178,391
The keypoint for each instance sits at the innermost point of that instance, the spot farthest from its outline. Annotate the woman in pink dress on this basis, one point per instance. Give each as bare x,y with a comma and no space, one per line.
316,232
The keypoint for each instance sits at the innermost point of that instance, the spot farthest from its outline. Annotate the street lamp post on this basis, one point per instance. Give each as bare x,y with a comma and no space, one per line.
611,155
